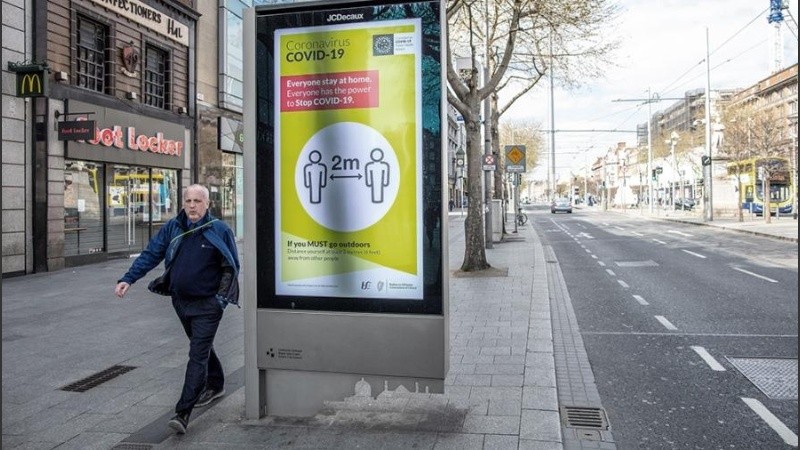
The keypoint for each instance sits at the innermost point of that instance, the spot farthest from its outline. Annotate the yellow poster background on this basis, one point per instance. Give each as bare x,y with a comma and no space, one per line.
393,241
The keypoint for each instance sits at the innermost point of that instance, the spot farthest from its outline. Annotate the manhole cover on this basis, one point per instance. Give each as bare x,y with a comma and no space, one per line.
776,378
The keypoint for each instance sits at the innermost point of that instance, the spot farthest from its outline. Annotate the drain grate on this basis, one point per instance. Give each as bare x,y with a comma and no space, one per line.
775,377
97,379
584,417
132,446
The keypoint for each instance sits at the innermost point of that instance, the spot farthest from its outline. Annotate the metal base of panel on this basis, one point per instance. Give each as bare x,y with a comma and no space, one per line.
292,393
312,357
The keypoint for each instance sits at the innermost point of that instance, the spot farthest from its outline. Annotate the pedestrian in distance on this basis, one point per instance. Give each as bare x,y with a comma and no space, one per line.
201,275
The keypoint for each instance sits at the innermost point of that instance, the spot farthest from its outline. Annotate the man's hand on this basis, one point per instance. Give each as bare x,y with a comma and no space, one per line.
122,289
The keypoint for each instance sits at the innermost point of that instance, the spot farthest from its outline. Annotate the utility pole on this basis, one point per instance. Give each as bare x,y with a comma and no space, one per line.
487,132
708,205
552,170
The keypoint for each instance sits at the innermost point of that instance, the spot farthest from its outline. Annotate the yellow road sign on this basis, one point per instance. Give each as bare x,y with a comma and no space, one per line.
515,158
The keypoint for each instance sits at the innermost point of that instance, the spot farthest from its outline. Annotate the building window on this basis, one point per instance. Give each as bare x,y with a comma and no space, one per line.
231,65
156,78
92,59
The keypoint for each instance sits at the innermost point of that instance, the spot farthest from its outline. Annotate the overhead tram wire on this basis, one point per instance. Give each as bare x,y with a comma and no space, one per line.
759,15
729,60
669,87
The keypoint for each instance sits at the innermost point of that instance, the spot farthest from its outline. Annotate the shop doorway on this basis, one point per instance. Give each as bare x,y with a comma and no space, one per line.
129,208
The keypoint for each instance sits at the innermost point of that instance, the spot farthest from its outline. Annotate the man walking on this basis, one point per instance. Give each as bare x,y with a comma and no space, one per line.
201,275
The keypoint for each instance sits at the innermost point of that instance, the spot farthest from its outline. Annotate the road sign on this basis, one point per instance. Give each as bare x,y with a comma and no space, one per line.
515,158
489,162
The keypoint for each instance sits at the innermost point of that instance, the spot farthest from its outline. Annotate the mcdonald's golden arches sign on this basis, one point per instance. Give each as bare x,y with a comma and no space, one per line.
31,79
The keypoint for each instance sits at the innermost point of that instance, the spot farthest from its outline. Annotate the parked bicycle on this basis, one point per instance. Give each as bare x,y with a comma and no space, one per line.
522,218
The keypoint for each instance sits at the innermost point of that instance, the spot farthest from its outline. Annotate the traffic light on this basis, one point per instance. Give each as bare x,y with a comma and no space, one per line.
653,174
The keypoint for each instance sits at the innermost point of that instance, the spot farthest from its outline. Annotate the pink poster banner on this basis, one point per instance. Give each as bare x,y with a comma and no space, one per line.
340,90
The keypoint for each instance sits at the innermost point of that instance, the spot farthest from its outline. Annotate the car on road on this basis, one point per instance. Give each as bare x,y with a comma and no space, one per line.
686,204
561,205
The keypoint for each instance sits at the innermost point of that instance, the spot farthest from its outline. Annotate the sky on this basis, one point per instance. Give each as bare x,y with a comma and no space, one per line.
663,49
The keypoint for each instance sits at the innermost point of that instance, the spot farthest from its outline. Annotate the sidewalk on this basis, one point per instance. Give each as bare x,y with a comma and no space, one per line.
501,390
784,228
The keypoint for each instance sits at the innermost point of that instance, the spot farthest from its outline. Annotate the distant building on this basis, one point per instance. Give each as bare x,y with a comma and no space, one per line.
777,95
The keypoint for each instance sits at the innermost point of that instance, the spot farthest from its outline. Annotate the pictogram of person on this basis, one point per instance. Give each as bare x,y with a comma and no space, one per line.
376,174
315,176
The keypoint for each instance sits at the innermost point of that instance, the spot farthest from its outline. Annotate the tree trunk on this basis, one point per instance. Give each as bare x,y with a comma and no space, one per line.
474,232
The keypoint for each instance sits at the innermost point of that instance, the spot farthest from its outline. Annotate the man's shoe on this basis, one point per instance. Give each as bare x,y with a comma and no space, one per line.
208,396
179,422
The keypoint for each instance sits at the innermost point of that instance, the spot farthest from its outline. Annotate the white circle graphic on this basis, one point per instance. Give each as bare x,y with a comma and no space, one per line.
347,176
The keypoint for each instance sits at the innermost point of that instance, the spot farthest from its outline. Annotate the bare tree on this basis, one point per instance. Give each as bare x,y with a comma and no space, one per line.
766,138
738,144
508,37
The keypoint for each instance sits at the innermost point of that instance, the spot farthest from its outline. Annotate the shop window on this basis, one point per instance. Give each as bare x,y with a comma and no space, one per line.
156,78
83,209
92,55
165,201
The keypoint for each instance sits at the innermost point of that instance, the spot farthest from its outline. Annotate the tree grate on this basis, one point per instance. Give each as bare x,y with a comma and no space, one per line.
97,379
584,417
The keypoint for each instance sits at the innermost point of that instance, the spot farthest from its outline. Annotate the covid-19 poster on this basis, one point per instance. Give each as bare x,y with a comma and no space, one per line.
347,157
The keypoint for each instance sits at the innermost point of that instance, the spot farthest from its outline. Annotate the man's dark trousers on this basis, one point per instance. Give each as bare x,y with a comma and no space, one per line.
200,319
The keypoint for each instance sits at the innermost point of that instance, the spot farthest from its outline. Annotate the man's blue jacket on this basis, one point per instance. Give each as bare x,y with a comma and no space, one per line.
166,242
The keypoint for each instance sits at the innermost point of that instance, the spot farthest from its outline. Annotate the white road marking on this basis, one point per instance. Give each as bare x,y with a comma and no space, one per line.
667,324
641,300
783,431
660,242
680,232
587,250
708,358
755,275
605,224
619,228
637,234
610,272
623,284
694,254
585,235
594,256
601,263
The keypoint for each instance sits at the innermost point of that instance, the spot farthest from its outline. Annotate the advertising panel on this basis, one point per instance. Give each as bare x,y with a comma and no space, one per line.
354,170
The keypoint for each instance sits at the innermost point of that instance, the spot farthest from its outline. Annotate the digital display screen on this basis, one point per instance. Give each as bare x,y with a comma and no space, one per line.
349,158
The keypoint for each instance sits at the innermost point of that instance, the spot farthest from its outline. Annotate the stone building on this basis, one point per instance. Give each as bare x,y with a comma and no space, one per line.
94,160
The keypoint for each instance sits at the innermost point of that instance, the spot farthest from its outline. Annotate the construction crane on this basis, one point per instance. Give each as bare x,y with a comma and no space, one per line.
777,10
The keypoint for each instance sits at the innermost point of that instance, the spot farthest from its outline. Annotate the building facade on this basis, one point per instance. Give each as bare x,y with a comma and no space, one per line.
219,108
97,159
